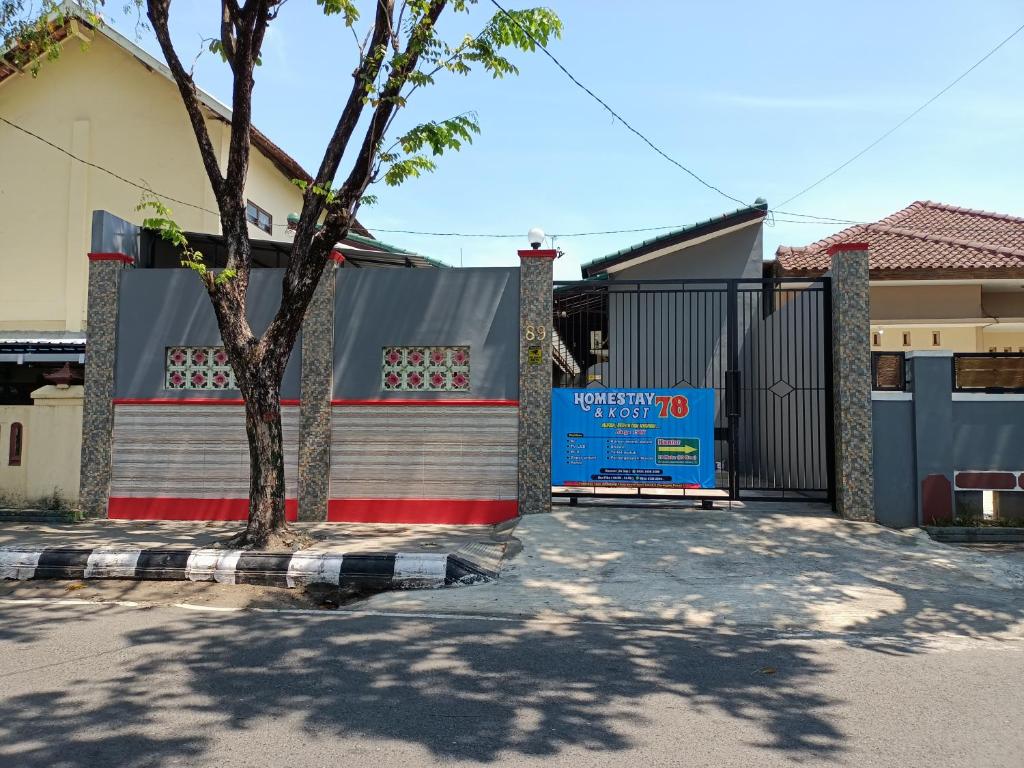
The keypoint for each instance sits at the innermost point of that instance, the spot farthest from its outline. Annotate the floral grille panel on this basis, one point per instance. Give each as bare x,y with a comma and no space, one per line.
426,369
198,368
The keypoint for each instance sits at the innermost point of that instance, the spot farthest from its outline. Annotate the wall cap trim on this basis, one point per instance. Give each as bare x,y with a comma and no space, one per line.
540,253
892,395
122,257
988,397
436,403
929,353
191,401
846,247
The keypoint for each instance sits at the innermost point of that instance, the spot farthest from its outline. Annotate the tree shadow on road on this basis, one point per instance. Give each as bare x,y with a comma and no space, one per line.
474,690
191,687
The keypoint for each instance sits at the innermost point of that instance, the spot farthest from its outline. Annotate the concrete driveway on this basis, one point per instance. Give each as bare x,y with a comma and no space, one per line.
783,566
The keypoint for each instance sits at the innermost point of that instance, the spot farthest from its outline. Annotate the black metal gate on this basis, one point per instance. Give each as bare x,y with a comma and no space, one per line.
763,345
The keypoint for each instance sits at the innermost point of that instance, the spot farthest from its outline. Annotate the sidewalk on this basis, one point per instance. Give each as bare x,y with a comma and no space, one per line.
785,566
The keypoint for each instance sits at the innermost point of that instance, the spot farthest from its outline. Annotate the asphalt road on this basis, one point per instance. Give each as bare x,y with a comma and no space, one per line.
104,685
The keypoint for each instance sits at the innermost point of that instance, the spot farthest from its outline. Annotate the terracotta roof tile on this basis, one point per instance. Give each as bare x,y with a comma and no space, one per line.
925,239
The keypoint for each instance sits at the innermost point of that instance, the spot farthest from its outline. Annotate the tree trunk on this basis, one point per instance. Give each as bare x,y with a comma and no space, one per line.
266,459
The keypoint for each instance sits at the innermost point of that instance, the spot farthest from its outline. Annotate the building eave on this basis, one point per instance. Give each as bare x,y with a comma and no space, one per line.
684,237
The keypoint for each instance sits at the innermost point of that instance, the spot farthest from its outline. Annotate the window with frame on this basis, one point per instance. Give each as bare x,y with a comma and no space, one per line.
258,217
425,369
906,338
198,368
876,339
15,445
936,339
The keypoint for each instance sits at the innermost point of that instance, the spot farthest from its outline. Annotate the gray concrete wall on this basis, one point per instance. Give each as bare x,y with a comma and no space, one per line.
989,434
476,307
162,308
642,351
895,487
736,254
111,234
920,443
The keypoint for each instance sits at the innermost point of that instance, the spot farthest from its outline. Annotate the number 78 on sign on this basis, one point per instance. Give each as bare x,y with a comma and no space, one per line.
676,406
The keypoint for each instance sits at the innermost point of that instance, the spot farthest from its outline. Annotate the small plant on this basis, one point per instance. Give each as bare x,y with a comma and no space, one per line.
967,520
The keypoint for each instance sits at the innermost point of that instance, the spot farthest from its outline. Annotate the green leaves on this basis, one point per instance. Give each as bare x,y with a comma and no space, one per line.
347,8
29,32
438,137
522,29
163,223
442,136
407,168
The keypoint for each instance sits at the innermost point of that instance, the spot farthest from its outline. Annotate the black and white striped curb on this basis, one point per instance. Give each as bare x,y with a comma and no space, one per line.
390,570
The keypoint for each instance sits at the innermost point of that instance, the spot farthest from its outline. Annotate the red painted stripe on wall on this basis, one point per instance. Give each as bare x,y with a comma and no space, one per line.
422,511
436,403
131,508
986,481
188,401
122,257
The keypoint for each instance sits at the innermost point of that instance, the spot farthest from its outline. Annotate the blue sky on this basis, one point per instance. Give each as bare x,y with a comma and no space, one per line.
759,98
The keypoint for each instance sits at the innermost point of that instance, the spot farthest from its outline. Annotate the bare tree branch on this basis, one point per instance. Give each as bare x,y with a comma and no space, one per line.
158,17
305,267
388,103
367,72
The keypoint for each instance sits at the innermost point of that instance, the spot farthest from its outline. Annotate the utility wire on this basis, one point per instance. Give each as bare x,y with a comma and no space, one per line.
107,171
709,185
613,113
149,190
905,120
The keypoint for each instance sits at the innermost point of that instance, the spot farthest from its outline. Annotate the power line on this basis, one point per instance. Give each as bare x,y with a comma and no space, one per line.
613,113
905,120
631,230
583,234
107,171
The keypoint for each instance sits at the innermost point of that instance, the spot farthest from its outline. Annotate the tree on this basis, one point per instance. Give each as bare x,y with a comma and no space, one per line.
399,52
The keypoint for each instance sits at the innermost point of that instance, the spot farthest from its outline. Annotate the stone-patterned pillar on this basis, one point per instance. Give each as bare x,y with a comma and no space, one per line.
98,405
317,377
535,308
851,366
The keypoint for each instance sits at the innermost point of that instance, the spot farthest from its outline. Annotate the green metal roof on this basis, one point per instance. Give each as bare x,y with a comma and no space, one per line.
374,243
681,235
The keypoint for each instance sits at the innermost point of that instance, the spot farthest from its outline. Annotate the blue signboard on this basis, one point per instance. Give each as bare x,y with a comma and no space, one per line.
662,438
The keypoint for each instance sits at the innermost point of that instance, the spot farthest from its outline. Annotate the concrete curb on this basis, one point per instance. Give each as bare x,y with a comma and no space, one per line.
384,570
956,534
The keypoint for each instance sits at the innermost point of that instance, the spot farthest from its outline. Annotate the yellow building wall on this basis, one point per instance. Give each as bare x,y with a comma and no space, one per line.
964,316
104,106
951,337
51,446
925,302
1002,340
14,480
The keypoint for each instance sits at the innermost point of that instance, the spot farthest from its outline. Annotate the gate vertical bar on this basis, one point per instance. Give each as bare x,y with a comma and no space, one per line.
828,354
732,383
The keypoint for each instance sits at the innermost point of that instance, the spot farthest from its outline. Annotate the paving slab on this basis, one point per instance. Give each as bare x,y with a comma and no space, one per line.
780,565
